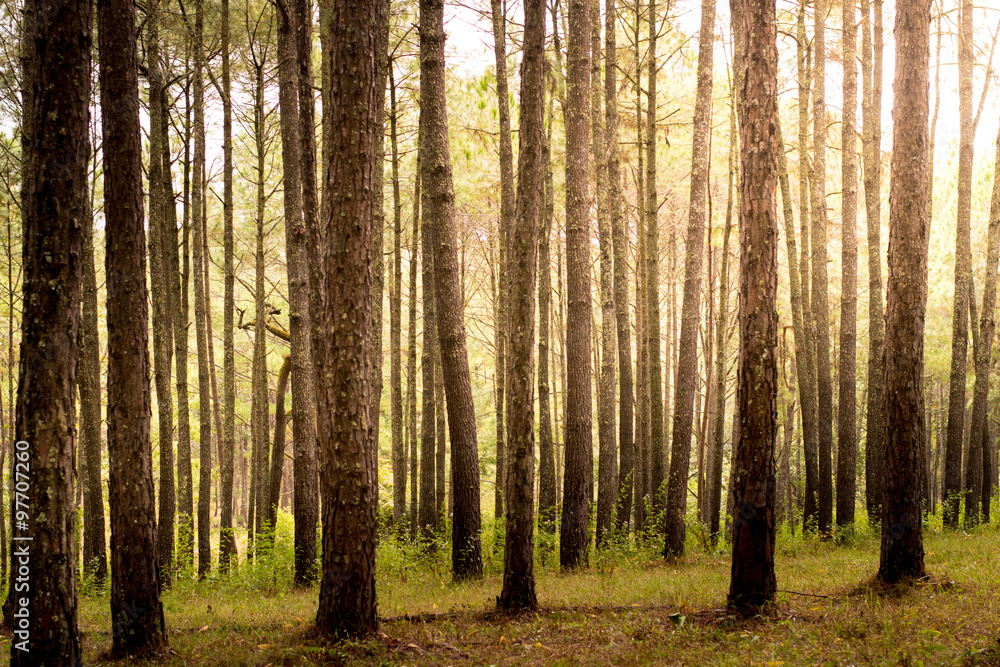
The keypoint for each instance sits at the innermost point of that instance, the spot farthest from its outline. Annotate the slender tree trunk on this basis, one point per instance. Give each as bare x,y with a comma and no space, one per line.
304,396
53,203
347,605
753,582
902,540
427,518
411,370
871,67
395,321
847,443
574,540
378,235
227,536
687,366
278,448
136,611
439,205
547,501
519,577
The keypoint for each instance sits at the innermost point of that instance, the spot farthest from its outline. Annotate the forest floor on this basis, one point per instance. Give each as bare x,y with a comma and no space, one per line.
629,607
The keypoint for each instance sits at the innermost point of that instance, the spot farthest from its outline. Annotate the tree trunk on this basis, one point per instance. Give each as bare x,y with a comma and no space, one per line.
687,367
427,520
439,206
396,321
136,610
278,448
519,576
378,236
347,446
871,67
227,536
902,541
574,539
411,370
53,203
847,443
752,581
304,429
499,14
547,502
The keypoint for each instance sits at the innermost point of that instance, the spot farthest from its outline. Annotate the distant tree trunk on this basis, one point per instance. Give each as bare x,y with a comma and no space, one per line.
347,445
304,398
642,358
396,321
427,518
439,206
607,476
378,236
441,456
136,610
820,285
499,14
687,367
95,561
227,537
871,68
652,328
411,366
752,581
619,239
715,454
963,272
807,369
574,539
978,467
547,501
902,540
519,576
847,443
53,203
278,448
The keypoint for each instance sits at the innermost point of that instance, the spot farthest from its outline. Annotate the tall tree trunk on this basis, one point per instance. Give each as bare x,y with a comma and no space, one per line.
902,540
304,396
807,370
200,299
53,204
547,502
871,68
427,518
411,366
574,540
607,475
963,272
136,610
619,239
396,321
519,576
378,235
687,367
752,581
499,14
652,329
439,206
820,286
847,443
347,446
278,448
227,537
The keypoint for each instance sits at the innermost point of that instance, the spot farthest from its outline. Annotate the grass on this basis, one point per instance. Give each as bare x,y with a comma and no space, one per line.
629,607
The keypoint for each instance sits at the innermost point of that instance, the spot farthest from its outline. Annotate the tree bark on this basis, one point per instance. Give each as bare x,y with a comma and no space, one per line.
411,370
687,366
343,391
136,610
753,582
56,56
427,520
574,540
847,443
547,498
439,206
278,448
902,554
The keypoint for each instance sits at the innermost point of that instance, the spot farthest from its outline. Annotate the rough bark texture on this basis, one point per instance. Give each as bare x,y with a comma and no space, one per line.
396,321
963,272
278,448
55,149
426,518
411,365
352,44
227,538
607,465
847,443
573,536
136,610
753,582
547,500
519,574
439,206
902,539
871,59
687,358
